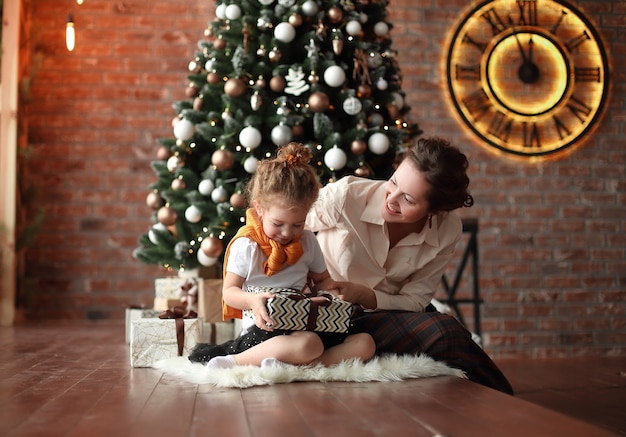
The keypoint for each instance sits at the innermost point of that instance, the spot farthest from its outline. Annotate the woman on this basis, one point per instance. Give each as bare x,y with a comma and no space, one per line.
388,244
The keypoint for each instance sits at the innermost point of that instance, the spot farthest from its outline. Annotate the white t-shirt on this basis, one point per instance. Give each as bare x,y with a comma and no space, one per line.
246,260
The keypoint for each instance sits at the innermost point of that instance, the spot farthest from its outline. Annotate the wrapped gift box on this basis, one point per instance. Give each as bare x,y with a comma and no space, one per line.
137,313
167,293
298,311
210,300
155,339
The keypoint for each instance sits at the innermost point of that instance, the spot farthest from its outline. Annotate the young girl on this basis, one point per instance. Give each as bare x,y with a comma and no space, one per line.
274,250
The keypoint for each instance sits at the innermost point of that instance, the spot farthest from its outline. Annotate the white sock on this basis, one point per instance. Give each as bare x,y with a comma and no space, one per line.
271,362
221,362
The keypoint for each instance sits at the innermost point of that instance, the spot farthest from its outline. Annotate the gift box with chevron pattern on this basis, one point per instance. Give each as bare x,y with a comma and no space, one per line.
298,311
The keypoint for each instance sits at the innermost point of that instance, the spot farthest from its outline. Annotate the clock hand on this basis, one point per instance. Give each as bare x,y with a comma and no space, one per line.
519,44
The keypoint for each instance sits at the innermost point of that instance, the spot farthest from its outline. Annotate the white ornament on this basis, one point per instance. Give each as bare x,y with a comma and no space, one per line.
250,137
283,3
353,28
310,8
193,214
335,158
208,65
378,143
205,260
220,11
381,84
219,195
363,17
233,12
174,163
205,187
184,130
296,83
381,28
352,106
284,32
250,164
334,76
398,100
152,235
266,2
281,134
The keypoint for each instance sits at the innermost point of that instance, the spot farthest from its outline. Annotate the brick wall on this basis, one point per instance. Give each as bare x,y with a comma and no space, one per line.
551,242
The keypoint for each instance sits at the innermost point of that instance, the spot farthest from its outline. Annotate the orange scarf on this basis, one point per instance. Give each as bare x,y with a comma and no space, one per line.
278,255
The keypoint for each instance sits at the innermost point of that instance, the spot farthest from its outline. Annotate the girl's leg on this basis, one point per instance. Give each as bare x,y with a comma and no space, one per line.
300,347
360,346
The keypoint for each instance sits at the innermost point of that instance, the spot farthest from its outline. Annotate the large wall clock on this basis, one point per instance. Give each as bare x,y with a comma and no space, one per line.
527,77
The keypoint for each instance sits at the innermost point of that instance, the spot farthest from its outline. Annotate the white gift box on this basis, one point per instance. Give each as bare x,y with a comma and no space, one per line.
155,339
138,313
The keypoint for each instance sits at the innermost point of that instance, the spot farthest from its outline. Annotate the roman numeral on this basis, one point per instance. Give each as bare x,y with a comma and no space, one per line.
561,129
467,72
477,104
587,74
479,45
494,20
531,135
527,12
575,42
500,126
579,109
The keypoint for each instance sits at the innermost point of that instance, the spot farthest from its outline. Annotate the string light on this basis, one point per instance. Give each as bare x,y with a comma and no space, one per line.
79,2
70,33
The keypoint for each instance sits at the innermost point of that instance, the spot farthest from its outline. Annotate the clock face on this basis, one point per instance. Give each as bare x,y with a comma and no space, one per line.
527,77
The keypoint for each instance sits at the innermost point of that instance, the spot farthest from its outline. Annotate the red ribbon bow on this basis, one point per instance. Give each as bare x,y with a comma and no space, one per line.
179,314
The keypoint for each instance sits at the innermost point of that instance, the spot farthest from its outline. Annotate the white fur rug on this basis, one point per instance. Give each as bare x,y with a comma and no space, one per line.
385,368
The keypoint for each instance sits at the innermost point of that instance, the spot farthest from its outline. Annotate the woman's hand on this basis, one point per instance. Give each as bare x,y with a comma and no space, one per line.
357,294
258,304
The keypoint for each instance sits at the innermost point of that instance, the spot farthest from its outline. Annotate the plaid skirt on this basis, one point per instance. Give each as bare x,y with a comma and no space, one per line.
440,336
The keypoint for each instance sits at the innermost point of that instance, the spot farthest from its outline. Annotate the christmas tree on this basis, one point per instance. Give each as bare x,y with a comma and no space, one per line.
319,72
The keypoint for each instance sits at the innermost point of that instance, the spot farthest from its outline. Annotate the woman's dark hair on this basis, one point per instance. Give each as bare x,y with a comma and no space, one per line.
445,168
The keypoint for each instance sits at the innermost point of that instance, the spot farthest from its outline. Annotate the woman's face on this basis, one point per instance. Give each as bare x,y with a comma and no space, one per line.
405,195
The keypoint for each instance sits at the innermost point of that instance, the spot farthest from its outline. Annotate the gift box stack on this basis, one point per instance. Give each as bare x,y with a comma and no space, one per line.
186,311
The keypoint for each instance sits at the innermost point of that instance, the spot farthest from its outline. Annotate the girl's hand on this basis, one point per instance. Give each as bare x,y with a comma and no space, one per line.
258,305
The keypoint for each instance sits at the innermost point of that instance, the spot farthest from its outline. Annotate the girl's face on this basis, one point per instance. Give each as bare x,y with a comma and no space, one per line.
281,224
405,195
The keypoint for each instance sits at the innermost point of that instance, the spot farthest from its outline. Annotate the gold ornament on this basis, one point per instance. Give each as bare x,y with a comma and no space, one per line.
238,200
278,84
219,43
178,184
295,20
362,171
154,201
212,247
358,147
222,159
192,90
167,215
335,14
162,153
297,130
234,87
213,78
197,103
319,101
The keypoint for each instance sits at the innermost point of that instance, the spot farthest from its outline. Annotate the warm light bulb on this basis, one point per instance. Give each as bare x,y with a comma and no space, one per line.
79,2
70,33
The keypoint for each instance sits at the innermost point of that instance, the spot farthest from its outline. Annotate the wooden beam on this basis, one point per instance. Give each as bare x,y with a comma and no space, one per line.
8,158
